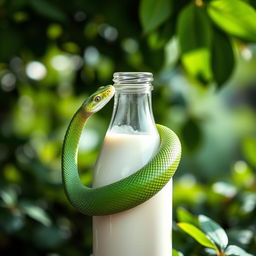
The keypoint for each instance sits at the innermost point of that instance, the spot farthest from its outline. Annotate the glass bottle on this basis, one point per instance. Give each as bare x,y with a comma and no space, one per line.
130,142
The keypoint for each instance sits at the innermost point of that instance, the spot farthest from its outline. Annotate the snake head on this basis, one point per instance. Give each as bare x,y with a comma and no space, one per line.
99,99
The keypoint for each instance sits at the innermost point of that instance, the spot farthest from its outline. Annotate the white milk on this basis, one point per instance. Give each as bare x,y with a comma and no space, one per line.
146,229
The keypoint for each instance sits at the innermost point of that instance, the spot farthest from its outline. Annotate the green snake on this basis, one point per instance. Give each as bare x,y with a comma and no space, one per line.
128,192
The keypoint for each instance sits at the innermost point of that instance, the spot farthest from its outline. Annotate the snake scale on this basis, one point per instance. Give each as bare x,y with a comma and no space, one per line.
128,192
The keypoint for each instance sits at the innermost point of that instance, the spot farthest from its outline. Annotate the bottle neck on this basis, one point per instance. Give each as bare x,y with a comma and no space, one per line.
132,112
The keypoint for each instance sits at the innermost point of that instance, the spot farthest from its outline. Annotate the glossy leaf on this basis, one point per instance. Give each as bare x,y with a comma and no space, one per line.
194,36
234,250
214,231
153,13
234,17
222,57
197,234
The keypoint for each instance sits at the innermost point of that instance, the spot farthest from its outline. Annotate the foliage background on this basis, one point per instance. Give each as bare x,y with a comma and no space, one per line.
55,53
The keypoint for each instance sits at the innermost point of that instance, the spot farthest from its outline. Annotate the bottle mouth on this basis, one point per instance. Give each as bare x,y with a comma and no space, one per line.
133,81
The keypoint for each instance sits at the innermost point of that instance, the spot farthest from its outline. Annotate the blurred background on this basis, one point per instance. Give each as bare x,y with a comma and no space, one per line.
55,53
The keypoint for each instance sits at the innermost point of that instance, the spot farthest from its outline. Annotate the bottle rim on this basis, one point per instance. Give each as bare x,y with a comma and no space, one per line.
133,81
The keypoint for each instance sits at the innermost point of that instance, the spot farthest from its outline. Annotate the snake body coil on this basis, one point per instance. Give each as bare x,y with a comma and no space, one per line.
128,192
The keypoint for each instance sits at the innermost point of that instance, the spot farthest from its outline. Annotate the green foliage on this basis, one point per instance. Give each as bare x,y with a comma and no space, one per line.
176,253
194,36
235,17
222,57
215,232
197,234
191,143
185,216
206,53
234,250
214,236
249,147
153,13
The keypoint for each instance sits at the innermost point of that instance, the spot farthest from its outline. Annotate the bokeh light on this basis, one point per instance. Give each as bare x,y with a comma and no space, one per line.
36,70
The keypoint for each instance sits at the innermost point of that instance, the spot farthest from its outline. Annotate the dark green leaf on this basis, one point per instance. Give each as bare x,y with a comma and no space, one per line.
222,57
153,13
159,38
235,17
185,216
193,29
194,36
197,234
233,250
48,10
191,133
214,231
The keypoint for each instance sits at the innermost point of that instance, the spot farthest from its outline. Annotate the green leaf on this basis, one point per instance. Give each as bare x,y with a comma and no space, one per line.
48,10
36,213
210,251
235,17
159,38
193,29
234,250
153,13
176,253
194,36
192,134
249,149
9,197
214,231
222,57
185,216
197,234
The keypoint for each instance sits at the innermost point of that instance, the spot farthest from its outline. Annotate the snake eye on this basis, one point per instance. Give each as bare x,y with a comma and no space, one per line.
97,98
